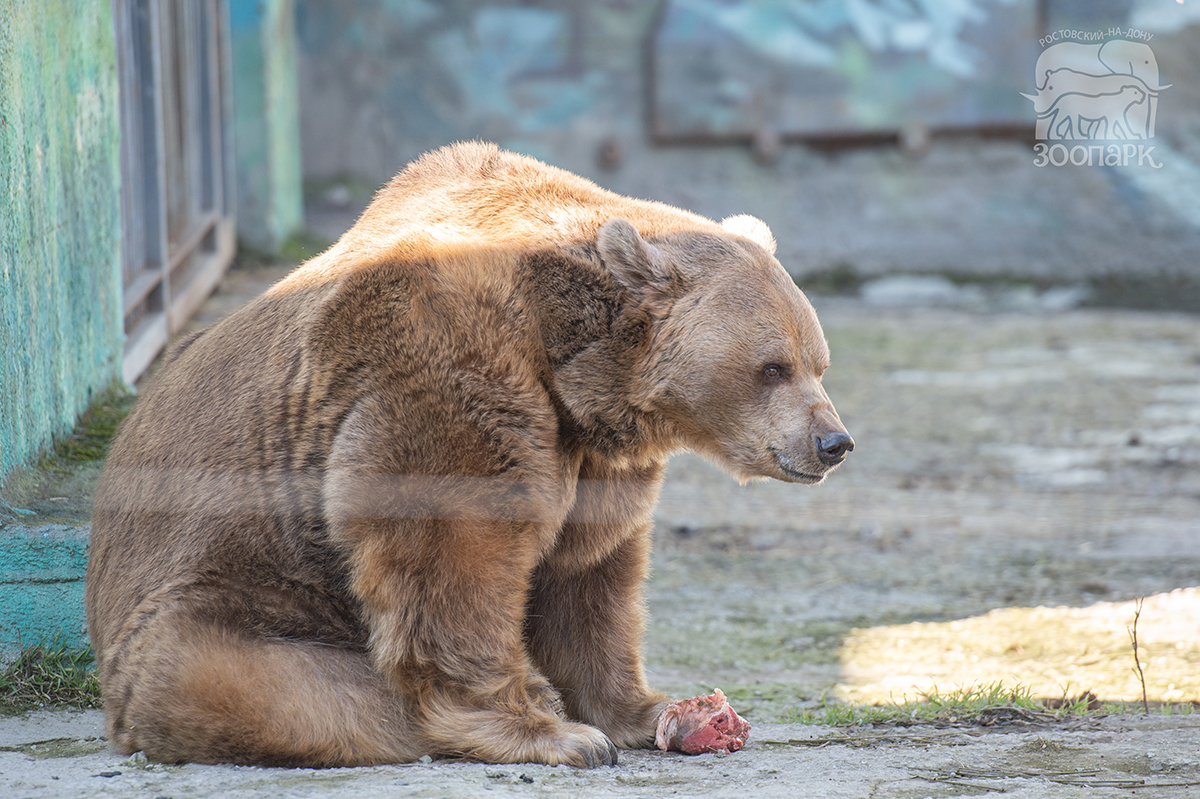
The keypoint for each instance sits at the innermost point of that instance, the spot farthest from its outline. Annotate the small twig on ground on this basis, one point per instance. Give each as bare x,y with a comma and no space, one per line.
1137,613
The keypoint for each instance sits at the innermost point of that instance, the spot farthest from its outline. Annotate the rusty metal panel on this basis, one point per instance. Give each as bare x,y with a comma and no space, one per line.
731,69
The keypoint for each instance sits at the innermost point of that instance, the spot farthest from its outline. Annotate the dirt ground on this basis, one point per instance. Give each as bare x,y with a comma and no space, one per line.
1021,476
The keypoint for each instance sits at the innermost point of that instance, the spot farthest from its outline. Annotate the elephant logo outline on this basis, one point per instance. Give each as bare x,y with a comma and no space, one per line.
1096,91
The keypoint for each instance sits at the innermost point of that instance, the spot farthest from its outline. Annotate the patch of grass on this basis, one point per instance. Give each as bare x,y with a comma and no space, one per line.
94,432
1154,292
841,279
1153,708
59,747
985,705
1161,291
50,675
58,486
762,701
296,249
299,247
355,190
845,280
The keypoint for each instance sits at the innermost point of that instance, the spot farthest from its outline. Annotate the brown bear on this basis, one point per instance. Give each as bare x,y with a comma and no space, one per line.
401,503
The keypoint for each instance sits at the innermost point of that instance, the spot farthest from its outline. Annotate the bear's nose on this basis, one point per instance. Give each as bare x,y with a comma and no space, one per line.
832,449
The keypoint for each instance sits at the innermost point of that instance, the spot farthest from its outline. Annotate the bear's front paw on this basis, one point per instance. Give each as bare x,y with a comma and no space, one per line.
584,747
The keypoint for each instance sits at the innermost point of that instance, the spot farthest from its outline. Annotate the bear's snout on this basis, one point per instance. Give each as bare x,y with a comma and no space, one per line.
833,448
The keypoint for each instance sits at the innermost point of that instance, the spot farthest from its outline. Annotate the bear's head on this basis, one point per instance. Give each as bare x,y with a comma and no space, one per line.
736,353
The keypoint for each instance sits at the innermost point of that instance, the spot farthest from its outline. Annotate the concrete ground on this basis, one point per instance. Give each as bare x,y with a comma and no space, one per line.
1025,470
1120,756
1021,476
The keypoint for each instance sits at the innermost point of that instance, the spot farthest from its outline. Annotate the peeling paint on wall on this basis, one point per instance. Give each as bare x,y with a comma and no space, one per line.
41,585
382,81
512,63
60,270
819,67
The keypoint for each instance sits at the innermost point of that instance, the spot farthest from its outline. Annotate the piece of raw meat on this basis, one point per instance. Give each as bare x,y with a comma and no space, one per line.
699,725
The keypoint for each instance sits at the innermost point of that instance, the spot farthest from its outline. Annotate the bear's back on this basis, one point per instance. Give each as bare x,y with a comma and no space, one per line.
474,194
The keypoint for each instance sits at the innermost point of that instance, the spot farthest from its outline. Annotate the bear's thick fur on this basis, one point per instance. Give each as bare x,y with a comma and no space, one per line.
401,503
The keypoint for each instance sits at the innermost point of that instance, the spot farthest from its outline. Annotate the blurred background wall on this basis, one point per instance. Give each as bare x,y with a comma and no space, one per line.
874,136
878,138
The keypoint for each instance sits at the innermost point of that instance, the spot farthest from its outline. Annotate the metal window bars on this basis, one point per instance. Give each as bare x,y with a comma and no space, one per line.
177,204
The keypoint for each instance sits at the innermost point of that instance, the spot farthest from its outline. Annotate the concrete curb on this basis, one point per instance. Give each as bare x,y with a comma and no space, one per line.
42,569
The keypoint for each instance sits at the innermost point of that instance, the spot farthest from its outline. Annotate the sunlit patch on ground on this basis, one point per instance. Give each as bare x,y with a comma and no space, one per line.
1051,651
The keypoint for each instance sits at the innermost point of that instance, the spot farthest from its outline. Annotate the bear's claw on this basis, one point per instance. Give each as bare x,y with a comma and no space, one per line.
599,753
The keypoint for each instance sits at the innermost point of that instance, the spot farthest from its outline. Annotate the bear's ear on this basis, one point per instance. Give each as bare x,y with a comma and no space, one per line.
752,228
635,262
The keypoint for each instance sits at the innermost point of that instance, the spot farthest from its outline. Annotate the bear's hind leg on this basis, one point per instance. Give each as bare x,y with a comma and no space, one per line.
202,694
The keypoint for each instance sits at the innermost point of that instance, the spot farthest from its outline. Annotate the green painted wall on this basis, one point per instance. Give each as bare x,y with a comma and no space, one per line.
266,121
60,270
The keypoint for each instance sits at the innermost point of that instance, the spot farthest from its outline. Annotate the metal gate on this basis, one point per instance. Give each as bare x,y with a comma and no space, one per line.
177,224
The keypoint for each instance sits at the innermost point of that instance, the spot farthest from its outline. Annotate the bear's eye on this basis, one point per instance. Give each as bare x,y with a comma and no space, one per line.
774,371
